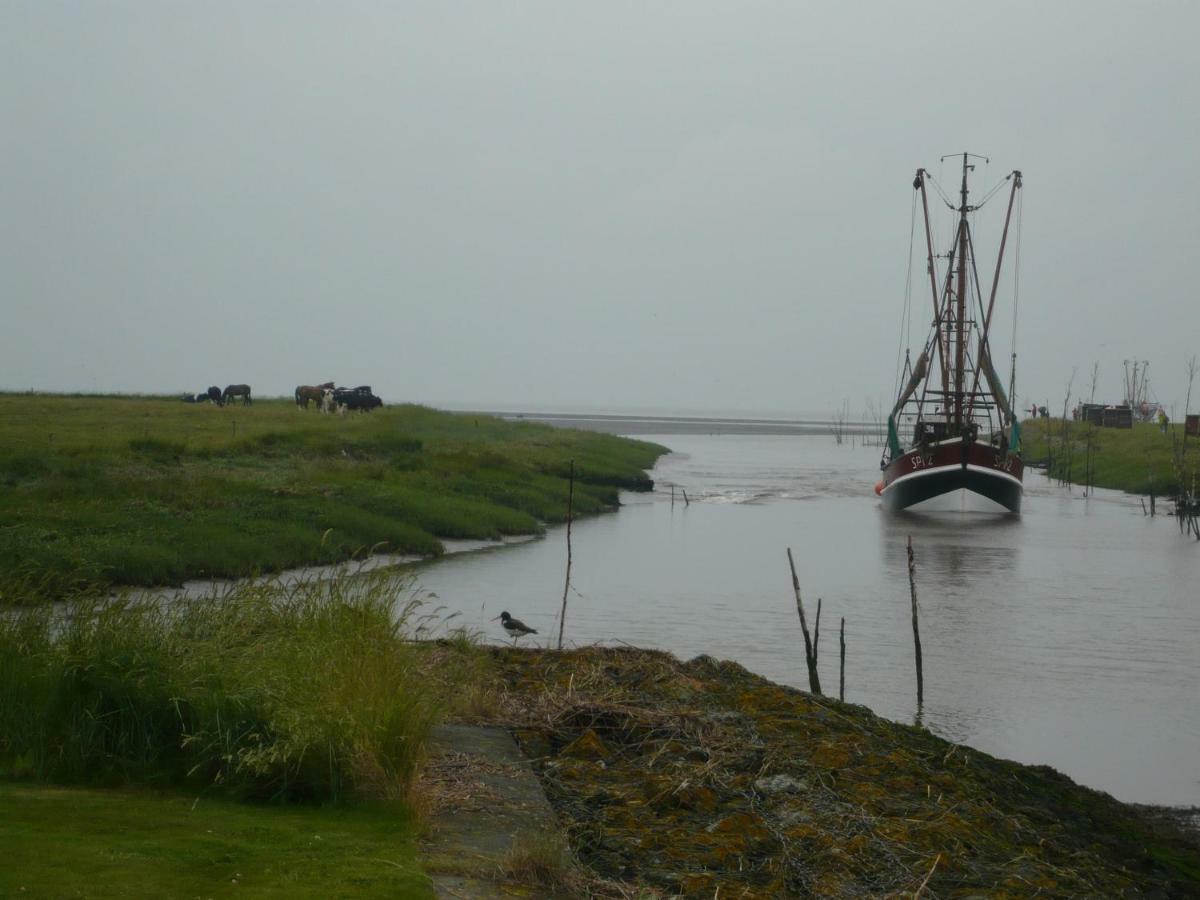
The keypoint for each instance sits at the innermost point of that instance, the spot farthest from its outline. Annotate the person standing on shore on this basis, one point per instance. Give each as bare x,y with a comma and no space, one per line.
1162,420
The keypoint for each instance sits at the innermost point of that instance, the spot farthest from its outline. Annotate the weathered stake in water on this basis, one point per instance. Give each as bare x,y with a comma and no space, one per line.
912,592
562,619
842,679
810,653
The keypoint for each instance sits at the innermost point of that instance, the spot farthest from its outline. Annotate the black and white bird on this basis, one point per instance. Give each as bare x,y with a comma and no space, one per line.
514,627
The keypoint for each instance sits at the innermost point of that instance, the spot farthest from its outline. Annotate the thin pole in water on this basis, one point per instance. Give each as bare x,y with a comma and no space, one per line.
562,619
842,679
810,654
912,591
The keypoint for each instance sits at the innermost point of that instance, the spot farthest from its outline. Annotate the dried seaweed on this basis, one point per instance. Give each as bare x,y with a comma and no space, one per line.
703,779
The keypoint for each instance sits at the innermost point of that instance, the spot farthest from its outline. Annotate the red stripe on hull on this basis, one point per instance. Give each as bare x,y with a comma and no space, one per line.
924,473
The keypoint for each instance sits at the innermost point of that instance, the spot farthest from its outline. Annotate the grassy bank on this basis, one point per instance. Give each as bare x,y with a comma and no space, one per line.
101,491
316,693
1139,460
267,738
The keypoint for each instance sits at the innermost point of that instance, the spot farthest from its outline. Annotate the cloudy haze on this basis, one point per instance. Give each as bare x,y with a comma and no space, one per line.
671,206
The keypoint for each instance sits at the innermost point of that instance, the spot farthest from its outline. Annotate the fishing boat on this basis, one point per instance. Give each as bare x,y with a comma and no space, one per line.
952,429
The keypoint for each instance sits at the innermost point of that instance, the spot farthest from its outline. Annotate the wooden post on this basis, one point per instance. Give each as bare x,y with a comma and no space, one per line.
672,496
912,591
686,501
817,633
562,619
842,679
810,656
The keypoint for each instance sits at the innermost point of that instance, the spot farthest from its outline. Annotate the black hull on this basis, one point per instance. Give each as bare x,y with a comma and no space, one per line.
926,473
911,491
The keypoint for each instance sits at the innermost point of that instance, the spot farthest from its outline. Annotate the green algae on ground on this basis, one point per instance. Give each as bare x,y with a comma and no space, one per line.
700,777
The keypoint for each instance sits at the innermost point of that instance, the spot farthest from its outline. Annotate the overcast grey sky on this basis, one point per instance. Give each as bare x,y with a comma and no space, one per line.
676,206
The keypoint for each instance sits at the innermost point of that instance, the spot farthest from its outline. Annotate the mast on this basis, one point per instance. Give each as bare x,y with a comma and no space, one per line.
942,353
960,303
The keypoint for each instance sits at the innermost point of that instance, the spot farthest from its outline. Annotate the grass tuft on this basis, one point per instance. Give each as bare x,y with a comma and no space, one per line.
313,691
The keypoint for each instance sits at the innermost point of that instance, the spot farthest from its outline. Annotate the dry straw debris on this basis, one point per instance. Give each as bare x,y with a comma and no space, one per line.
702,779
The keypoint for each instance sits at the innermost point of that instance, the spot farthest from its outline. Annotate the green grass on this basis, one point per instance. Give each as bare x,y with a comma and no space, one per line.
76,842
1137,460
106,491
313,693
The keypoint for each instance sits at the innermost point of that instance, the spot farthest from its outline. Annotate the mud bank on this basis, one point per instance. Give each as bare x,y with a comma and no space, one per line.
703,779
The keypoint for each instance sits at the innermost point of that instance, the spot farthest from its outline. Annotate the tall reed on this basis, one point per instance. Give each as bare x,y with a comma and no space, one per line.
310,691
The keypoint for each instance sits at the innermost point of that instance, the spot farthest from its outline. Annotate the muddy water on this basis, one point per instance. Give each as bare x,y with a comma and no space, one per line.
1068,636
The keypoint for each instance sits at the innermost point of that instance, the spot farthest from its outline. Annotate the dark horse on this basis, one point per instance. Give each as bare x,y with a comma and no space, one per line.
315,393
236,390
213,394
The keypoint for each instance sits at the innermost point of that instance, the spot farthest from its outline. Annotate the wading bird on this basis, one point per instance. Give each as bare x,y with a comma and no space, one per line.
515,627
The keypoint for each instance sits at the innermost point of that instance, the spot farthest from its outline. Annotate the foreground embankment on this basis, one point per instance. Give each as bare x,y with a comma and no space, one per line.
1139,460
287,711
104,491
703,779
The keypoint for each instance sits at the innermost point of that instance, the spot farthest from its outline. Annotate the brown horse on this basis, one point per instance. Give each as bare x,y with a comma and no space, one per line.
236,390
315,393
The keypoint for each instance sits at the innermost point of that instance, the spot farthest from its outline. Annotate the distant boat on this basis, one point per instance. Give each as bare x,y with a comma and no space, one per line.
952,428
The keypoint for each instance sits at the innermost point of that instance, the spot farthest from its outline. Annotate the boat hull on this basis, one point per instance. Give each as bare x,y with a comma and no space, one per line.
924,473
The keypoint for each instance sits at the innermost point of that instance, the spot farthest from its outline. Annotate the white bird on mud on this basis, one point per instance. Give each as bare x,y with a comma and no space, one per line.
515,627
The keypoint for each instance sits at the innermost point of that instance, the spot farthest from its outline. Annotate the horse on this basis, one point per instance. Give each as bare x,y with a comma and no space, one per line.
306,392
213,394
236,390
315,393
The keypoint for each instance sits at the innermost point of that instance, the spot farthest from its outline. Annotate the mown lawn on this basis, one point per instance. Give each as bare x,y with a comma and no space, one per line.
104,491
83,842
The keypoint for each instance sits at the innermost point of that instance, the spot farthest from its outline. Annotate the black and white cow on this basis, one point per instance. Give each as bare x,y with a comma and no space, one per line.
359,398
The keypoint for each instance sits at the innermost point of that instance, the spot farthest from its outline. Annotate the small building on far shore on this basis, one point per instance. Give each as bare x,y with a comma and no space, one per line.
1107,416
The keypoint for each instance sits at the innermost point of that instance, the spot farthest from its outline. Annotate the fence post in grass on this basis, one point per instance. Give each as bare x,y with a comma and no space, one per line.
842,670
912,592
562,619
810,654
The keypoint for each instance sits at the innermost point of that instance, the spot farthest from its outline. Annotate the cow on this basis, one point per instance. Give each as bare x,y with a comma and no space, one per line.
236,390
360,398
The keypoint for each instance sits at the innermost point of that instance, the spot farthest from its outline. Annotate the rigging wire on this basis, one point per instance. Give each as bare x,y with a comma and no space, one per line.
937,187
989,194
906,322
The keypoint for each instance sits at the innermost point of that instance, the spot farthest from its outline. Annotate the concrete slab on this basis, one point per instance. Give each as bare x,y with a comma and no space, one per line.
487,802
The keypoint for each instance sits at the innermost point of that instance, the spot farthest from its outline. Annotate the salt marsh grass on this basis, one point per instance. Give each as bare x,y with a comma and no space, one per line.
314,691
110,491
